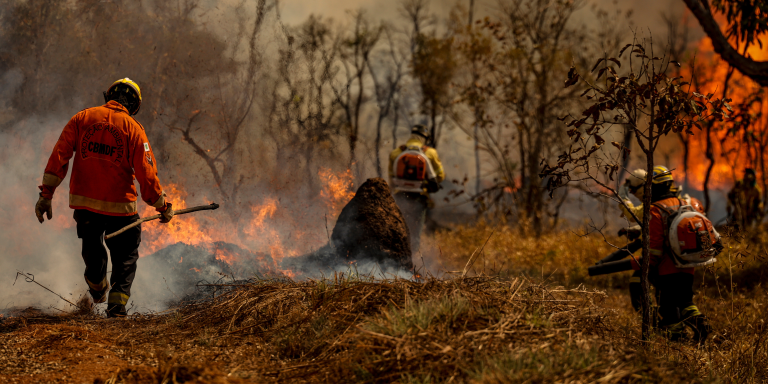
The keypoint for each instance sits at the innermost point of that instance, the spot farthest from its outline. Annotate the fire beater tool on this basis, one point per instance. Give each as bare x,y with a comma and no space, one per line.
211,206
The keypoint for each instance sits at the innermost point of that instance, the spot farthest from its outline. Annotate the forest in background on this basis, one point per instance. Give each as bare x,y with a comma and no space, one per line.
244,106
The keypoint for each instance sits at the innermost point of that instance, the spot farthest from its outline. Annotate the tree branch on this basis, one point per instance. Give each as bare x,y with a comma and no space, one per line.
755,70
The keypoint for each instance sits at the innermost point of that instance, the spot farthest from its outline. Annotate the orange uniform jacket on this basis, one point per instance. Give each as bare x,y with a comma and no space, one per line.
110,149
660,257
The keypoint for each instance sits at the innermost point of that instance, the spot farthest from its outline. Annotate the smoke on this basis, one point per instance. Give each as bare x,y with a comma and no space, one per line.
49,251
198,75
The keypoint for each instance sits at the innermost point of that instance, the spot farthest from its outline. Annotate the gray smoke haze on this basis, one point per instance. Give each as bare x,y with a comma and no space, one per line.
194,76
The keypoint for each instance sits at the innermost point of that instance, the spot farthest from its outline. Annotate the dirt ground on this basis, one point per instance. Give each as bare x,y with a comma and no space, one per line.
76,349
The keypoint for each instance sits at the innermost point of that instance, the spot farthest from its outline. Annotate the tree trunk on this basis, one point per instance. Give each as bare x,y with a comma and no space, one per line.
433,117
477,160
625,160
394,124
686,154
709,154
645,264
378,145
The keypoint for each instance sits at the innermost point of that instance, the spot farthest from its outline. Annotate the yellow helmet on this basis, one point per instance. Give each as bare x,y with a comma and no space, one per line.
127,93
662,174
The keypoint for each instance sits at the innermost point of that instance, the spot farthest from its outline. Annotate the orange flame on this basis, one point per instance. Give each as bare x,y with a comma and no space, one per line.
730,152
266,234
182,229
337,189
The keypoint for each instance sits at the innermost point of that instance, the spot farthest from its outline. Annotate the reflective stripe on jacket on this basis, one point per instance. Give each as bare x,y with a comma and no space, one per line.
661,259
110,149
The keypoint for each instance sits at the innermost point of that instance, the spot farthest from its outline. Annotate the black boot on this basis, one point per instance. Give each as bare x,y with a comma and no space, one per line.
98,296
701,328
116,310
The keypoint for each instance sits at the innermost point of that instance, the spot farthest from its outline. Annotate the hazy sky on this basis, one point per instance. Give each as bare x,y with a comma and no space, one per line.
646,12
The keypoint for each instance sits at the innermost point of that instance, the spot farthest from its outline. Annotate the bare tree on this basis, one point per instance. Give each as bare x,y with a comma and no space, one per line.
354,59
304,112
387,75
229,107
537,41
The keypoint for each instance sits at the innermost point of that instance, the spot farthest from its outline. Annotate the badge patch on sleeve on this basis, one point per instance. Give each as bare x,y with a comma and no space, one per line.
149,159
146,147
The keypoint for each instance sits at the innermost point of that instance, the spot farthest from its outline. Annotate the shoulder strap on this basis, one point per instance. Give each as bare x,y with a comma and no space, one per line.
666,210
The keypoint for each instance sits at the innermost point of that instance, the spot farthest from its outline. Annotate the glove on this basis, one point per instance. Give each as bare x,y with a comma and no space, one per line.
43,205
167,213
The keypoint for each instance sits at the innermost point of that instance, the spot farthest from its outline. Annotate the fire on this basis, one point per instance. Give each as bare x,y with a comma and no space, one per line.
262,232
182,229
265,234
733,152
337,189
225,255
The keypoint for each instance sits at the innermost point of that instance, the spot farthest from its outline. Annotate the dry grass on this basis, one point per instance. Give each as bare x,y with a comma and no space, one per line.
507,328
731,293
479,329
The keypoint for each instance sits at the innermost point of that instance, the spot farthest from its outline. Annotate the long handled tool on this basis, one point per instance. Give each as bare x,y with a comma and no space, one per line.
611,267
155,217
622,253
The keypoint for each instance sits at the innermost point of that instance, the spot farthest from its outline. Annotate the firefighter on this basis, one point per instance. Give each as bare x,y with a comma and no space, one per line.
674,285
415,171
635,184
745,205
110,149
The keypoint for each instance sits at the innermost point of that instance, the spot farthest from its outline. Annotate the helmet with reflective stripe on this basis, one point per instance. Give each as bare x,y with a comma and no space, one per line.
127,93
661,174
